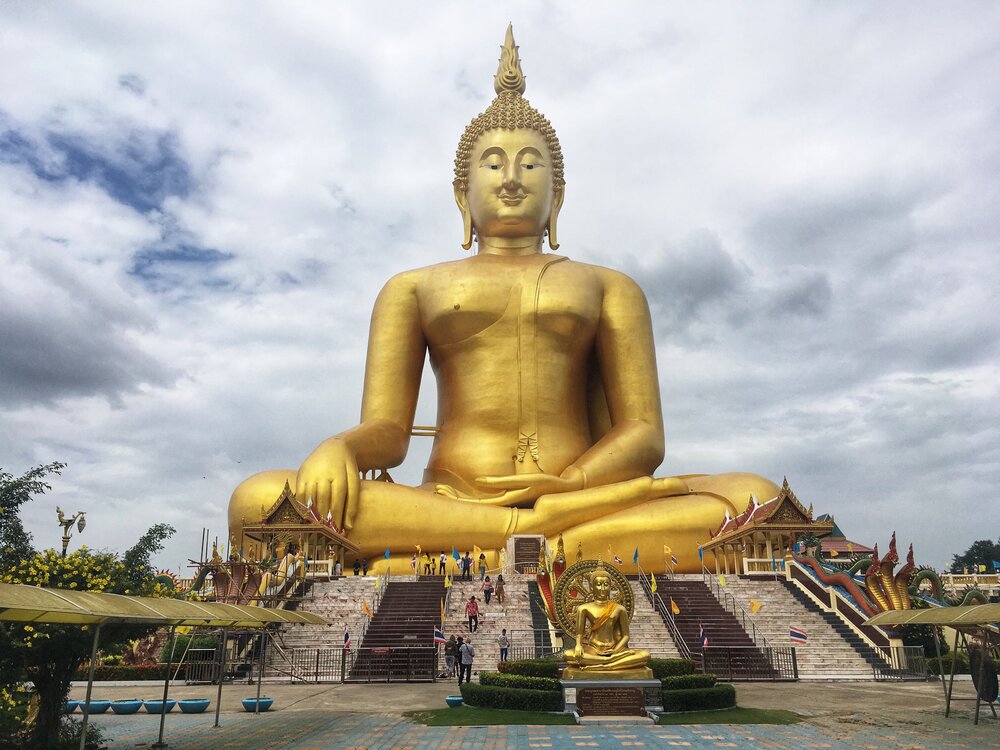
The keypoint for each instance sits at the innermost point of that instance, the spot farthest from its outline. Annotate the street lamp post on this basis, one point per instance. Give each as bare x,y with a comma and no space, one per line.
79,520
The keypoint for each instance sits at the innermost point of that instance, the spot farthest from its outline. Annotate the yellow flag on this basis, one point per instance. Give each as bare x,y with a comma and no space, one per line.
850,547
447,581
834,553
365,608
666,550
476,552
755,606
442,610
376,583
673,607
982,568
420,550
722,580
652,583
182,629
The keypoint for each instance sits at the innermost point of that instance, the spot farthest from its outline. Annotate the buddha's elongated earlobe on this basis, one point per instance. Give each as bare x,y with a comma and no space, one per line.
557,201
463,206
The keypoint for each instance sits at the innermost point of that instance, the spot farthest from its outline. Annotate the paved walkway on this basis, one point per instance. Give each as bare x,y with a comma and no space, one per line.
855,716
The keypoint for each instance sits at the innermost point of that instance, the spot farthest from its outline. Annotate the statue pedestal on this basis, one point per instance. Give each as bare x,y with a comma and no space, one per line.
593,698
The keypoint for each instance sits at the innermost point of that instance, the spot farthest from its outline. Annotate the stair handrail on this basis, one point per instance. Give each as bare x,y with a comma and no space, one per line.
666,613
738,610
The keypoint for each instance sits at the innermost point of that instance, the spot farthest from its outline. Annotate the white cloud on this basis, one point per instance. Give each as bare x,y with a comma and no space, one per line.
806,192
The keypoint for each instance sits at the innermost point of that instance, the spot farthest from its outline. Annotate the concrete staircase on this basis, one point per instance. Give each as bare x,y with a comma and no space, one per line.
514,615
832,651
403,627
648,631
337,600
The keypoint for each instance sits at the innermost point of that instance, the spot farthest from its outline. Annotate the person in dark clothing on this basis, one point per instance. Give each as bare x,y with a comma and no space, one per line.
357,567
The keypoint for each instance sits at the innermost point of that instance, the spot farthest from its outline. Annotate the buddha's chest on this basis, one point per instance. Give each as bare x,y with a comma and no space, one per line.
550,304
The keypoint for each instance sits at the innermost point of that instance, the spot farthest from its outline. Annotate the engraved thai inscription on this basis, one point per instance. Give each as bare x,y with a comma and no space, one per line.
611,701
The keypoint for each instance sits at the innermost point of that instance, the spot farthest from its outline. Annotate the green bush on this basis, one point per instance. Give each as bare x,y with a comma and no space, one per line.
670,667
531,667
943,665
518,681
688,681
701,699
105,672
491,696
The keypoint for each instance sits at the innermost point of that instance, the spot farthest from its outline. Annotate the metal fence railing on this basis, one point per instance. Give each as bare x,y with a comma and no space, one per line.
904,663
391,664
750,663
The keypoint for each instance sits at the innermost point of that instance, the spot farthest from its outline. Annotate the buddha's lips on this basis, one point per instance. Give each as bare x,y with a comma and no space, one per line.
512,200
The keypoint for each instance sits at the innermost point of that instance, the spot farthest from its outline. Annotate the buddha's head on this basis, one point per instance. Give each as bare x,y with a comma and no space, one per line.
509,167
600,583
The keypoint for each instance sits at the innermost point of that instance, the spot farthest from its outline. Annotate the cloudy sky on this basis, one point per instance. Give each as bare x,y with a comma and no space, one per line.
198,205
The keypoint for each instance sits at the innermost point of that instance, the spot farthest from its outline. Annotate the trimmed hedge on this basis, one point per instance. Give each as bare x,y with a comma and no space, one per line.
701,699
531,667
943,665
670,667
105,672
491,696
518,681
688,682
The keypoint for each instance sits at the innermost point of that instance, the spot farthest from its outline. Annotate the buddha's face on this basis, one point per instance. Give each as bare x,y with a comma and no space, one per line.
510,192
602,588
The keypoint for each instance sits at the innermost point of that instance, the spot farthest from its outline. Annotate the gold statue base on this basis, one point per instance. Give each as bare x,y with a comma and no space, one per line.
636,673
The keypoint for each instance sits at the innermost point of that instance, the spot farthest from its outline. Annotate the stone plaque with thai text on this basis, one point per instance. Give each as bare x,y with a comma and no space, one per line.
611,701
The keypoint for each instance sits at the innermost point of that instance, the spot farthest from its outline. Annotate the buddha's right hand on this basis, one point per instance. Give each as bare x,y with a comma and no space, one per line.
330,477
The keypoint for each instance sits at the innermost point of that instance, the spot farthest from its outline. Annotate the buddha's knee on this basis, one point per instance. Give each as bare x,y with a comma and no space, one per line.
256,494
736,486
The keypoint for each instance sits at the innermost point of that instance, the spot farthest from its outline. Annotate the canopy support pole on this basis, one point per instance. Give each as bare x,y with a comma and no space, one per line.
90,686
951,680
938,634
260,669
166,688
982,676
222,672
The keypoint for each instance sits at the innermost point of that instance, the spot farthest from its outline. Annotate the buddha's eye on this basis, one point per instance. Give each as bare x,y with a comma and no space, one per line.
493,166
533,166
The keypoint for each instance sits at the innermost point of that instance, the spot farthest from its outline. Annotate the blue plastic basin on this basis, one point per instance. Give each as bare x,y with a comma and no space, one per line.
156,707
70,706
193,705
126,706
95,707
453,701
249,704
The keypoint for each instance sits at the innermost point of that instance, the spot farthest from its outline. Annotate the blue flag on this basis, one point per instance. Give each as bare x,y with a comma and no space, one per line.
635,557
996,565
454,553
386,553
701,554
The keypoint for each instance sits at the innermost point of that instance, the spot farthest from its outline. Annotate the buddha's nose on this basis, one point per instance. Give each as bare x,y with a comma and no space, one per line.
511,178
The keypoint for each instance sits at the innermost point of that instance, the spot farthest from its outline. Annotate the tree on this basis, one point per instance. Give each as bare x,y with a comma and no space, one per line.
50,655
15,542
982,552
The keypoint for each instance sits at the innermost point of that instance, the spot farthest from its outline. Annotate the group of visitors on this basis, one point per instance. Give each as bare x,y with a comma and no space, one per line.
361,567
431,564
459,654
466,563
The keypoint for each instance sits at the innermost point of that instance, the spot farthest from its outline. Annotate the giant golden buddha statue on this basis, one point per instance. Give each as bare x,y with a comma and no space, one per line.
549,416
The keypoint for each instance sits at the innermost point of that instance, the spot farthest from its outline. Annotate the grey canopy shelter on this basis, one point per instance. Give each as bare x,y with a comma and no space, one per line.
977,619
34,604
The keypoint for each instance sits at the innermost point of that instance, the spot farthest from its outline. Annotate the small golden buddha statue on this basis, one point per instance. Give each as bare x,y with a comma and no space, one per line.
602,633
549,415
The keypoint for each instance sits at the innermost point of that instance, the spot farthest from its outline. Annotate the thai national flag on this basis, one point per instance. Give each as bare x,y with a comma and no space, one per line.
618,560
439,636
798,635
674,560
702,636
347,640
